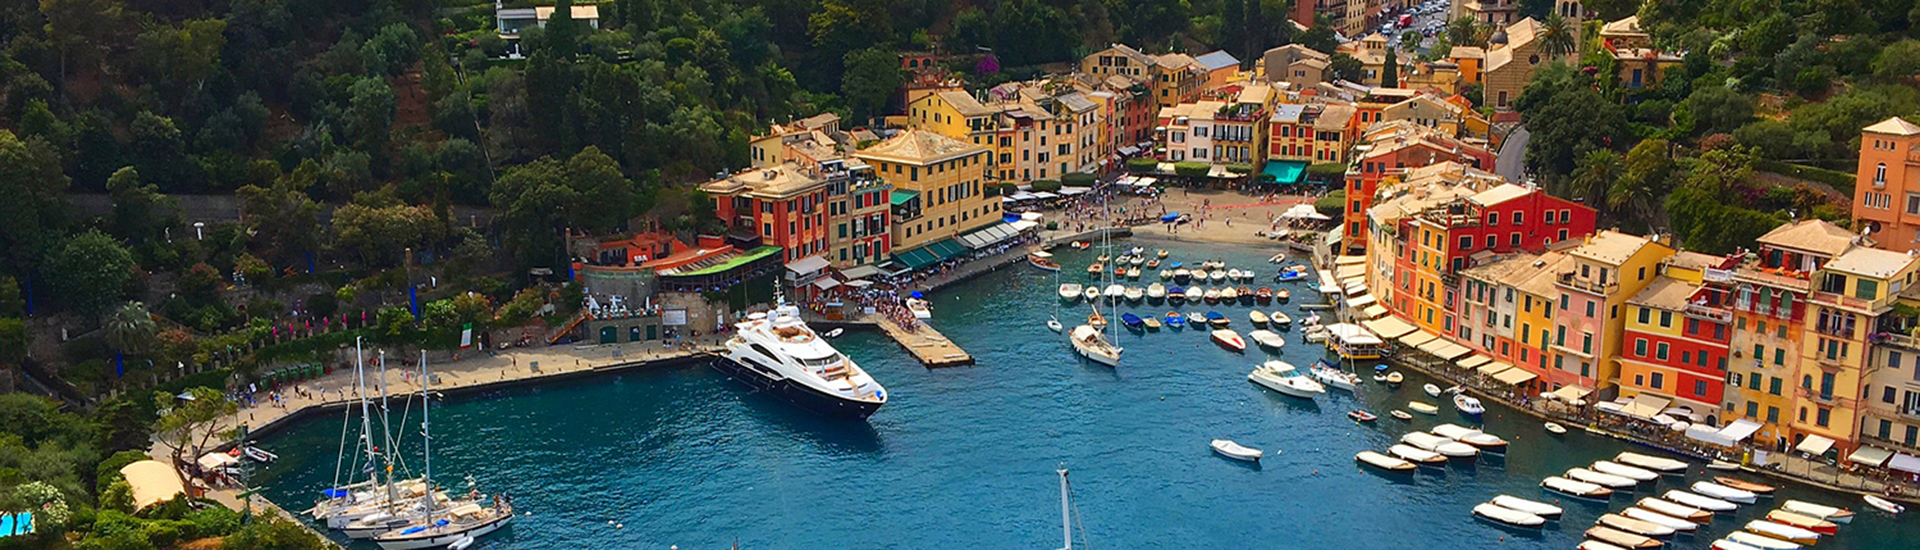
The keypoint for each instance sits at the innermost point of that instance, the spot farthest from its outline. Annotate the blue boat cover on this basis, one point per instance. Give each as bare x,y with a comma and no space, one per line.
1215,315
1169,217
334,493
1130,319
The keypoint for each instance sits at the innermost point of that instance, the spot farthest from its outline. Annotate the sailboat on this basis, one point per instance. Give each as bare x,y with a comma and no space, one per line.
370,502
1067,510
1087,339
458,524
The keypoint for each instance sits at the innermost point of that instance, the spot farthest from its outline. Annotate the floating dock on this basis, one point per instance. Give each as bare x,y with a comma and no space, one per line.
927,345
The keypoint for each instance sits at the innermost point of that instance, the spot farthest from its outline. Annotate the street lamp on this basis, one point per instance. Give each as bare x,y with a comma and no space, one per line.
198,231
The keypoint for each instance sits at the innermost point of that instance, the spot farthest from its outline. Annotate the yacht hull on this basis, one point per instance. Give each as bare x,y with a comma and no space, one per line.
798,394
440,540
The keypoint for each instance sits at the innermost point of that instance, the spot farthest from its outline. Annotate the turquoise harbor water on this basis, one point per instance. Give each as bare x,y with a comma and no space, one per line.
965,457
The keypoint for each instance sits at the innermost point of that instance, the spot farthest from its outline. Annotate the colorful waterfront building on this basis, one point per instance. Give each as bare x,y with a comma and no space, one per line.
1886,188
1845,343
1507,309
1034,131
1769,308
1391,149
778,205
1608,268
1675,337
936,189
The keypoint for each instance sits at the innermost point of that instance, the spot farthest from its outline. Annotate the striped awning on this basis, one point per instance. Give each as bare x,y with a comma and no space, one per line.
1451,350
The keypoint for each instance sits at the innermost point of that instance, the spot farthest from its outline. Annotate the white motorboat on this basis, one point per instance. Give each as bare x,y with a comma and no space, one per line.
1576,489
1217,276
1479,439
1725,544
1422,408
1166,274
1400,414
1555,428
1316,335
835,333
1638,527
1622,470
1229,339
1281,377
1092,294
1723,466
1508,516
1267,339
1663,520
1674,509
1070,291
1089,342
1133,272
1752,540
1333,377
1157,291
1700,501
1114,291
1597,478
1622,539
1257,318
1383,462
461,522
1830,513
1236,451
1053,324
1537,508
1723,492
1432,390
1781,531
1804,521
1180,275
1448,447
1196,294
1417,455
1468,405
1884,505
1591,544
1663,465
1758,489
1211,295
776,352
1134,294
1395,378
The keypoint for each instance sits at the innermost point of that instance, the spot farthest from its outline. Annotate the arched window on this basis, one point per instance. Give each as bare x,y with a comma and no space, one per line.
1880,174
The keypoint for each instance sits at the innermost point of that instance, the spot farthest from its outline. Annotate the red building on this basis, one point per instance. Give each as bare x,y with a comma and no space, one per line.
1393,149
1675,343
780,206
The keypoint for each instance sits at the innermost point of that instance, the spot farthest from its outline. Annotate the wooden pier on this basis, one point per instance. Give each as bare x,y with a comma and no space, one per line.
927,345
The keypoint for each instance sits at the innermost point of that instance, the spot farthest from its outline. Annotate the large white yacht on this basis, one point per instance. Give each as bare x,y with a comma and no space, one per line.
777,352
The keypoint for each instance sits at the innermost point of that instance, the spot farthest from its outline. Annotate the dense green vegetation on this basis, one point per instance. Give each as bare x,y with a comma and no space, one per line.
1780,88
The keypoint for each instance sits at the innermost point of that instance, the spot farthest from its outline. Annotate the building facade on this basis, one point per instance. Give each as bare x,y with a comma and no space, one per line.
935,183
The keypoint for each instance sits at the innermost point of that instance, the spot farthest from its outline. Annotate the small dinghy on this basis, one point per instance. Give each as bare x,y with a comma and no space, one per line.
1228,295
1196,319
1095,268
1196,294
1468,405
1114,291
1757,489
1175,320
1884,505
1479,439
1395,378
1236,451
258,454
1279,320
1638,527
1723,492
1070,291
1318,335
1267,339
1162,254
1092,294
1383,462
1043,260
1673,509
1134,294
1666,466
1555,428
1423,408
1217,319
1417,455
1507,516
1698,501
1229,339
1830,513
835,333
1663,520
1053,324
1176,295
1803,521
1157,291
1614,468
1541,509
1450,448
1181,275
1257,318
1327,374
1152,323
1723,466
1622,539
1781,531
1575,489
1233,274
1400,414
1133,272
1361,416
1606,480
1131,320
1263,295
1166,274
1751,540
1217,276
1431,390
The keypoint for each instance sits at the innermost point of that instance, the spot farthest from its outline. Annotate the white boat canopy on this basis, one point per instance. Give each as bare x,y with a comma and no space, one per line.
1472,361
1871,456
1514,376
1814,444
1739,430
826,283
1349,260
1389,327
1646,406
1905,463
1417,338
1353,334
1372,312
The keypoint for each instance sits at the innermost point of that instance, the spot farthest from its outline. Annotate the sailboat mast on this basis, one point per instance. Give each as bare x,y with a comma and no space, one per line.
1066,519
426,434
366,414
386,432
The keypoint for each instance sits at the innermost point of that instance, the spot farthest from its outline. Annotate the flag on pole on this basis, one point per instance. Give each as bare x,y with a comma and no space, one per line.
466,336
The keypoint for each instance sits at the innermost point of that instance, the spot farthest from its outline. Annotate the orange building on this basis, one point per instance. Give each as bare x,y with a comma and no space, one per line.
1886,189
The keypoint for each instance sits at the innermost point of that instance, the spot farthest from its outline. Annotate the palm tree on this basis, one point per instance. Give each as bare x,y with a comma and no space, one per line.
130,329
1592,176
1557,38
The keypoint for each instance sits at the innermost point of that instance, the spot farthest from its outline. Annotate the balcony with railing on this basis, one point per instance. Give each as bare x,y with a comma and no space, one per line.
1841,301
1569,280
1833,399
1896,339
1709,313
1898,446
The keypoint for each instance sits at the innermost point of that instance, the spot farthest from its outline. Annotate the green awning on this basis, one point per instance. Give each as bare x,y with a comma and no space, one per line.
901,196
916,258
947,248
1285,172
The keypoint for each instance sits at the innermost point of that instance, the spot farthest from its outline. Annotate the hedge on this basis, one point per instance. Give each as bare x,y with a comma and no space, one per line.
1142,164
1046,185
1078,179
1192,169
1327,170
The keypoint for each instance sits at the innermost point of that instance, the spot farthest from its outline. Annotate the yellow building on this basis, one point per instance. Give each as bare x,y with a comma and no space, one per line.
1436,112
1177,79
1769,311
1608,268
936,187
1510,63
1852,296
1030,134
1471,61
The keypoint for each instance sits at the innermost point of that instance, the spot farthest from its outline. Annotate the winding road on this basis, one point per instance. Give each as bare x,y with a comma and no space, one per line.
1511,163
